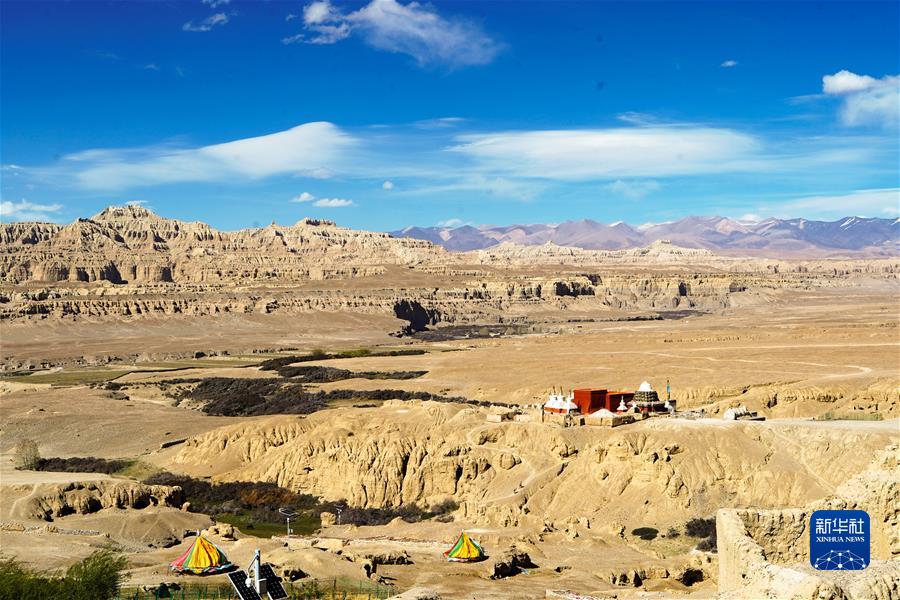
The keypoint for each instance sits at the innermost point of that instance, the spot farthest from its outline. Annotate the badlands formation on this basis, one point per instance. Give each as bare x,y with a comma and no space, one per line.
230,357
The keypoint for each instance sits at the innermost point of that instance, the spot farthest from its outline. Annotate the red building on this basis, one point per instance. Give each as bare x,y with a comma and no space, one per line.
590,400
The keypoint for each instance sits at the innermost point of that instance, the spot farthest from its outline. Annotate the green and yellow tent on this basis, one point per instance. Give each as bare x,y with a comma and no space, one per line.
202,558
465,550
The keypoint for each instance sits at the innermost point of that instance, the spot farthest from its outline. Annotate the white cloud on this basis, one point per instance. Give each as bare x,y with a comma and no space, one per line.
206,24
845,82
333,203
309,150
632,189
151,67
216,3
319,12
857,203
612,153
728,64
387,185
865,100
27,211
290,17
304,197
413,29
450,223
501,187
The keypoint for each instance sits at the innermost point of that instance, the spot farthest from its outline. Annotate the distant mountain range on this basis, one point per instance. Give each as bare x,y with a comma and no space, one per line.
772,237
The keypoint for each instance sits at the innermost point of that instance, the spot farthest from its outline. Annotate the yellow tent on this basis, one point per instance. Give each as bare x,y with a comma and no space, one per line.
465,550
202,558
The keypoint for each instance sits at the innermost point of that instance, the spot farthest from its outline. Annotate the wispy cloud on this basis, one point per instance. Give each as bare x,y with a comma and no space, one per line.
865,99
869,203
151,67
206,24
304,197
216,3
637,118
629,162
450,223
323,202
413,29
24,210
878,202
333,203
306,148
632,189
611,153
440,123
500,187
729,64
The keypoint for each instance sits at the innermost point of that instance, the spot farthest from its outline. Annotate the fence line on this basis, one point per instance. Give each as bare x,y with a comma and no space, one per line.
312,589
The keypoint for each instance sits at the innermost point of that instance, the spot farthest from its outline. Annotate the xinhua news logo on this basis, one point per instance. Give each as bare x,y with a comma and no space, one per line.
839,540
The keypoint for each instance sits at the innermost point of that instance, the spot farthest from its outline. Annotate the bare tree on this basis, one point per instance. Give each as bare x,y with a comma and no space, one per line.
26,455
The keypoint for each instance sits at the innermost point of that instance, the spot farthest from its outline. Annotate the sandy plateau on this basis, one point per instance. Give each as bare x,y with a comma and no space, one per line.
182,349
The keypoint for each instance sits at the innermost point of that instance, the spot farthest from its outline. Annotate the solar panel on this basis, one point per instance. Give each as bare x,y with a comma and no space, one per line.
239,582
273,582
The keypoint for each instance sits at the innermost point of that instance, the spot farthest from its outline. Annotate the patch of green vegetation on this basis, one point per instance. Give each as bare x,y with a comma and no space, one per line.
121,467
703,528
319,354
97,577
66,378
189,363
304,523
137,469
833,416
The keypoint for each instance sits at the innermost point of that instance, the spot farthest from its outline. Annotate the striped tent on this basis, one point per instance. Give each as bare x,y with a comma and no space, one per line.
465,550
202,558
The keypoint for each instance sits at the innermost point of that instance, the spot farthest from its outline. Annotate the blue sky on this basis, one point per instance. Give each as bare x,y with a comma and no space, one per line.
384,114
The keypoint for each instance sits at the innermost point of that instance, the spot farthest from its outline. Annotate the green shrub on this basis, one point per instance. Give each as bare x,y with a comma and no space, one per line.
645,533
700,527
97,577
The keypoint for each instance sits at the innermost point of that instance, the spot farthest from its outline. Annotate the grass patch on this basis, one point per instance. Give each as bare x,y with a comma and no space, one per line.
302,524
833,416
66,378
171,365
138,470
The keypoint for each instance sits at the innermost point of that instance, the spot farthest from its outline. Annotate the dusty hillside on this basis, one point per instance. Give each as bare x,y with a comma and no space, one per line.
527,473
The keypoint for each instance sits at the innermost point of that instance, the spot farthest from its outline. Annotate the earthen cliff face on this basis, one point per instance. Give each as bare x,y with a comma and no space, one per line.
526,473
127,262
132,245
765,553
